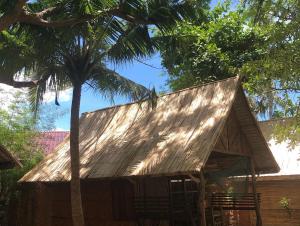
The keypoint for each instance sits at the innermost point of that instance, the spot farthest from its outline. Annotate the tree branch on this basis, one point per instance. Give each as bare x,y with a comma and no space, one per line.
13,16
7,80
10,81
20,14
286,89
45,12
37,20
25,84
149,65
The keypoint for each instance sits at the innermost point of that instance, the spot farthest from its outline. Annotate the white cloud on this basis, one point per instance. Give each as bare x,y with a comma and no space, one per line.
9,90
59,129
8,94
64,96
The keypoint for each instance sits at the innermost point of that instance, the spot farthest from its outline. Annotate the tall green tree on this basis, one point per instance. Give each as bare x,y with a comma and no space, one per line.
274,80
259,41
213,49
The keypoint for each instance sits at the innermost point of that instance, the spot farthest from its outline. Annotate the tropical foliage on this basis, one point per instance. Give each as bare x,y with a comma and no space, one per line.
259,41
275,79
122,18
61,58
18,133
211,50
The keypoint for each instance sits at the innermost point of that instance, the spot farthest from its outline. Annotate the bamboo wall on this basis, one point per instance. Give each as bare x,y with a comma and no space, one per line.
105,203
49,205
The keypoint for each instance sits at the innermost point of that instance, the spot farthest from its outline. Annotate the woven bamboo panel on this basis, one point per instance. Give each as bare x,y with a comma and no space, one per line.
274,214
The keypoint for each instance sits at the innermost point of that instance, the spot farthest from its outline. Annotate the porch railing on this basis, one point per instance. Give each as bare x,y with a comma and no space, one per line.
234,201
181,207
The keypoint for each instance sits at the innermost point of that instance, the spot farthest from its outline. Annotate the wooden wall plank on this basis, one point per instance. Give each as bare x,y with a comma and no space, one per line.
232,140
272,213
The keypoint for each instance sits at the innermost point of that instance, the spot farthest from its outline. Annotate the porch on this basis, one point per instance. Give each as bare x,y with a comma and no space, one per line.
199,199
182,207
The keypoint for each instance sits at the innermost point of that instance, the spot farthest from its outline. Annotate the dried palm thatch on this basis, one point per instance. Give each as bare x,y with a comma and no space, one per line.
175,137
7,160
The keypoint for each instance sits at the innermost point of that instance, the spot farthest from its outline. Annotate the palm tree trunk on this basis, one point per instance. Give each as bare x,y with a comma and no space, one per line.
76,202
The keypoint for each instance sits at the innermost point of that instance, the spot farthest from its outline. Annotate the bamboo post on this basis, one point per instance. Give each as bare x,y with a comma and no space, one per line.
257,206
170,202
201,187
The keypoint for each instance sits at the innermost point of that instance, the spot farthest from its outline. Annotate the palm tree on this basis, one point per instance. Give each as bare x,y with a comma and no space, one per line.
80,62
79,56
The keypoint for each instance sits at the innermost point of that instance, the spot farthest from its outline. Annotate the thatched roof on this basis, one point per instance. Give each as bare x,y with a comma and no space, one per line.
175,137
7,160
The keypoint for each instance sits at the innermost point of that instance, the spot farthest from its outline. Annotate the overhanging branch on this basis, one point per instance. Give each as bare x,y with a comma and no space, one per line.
25,84
19,84
21,14
46,11
37,20
12,17
9,80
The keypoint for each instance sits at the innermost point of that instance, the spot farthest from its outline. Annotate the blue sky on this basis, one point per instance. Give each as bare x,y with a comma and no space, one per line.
138,72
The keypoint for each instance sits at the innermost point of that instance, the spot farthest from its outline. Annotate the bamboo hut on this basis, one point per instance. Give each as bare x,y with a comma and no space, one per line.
280,192
7,160
145,164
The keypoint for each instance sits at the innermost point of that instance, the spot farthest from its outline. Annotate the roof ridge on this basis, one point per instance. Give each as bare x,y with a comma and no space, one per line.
166,94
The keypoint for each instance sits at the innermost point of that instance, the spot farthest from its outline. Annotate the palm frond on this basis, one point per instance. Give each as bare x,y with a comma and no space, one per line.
110,84
166,14
51,79
134,42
